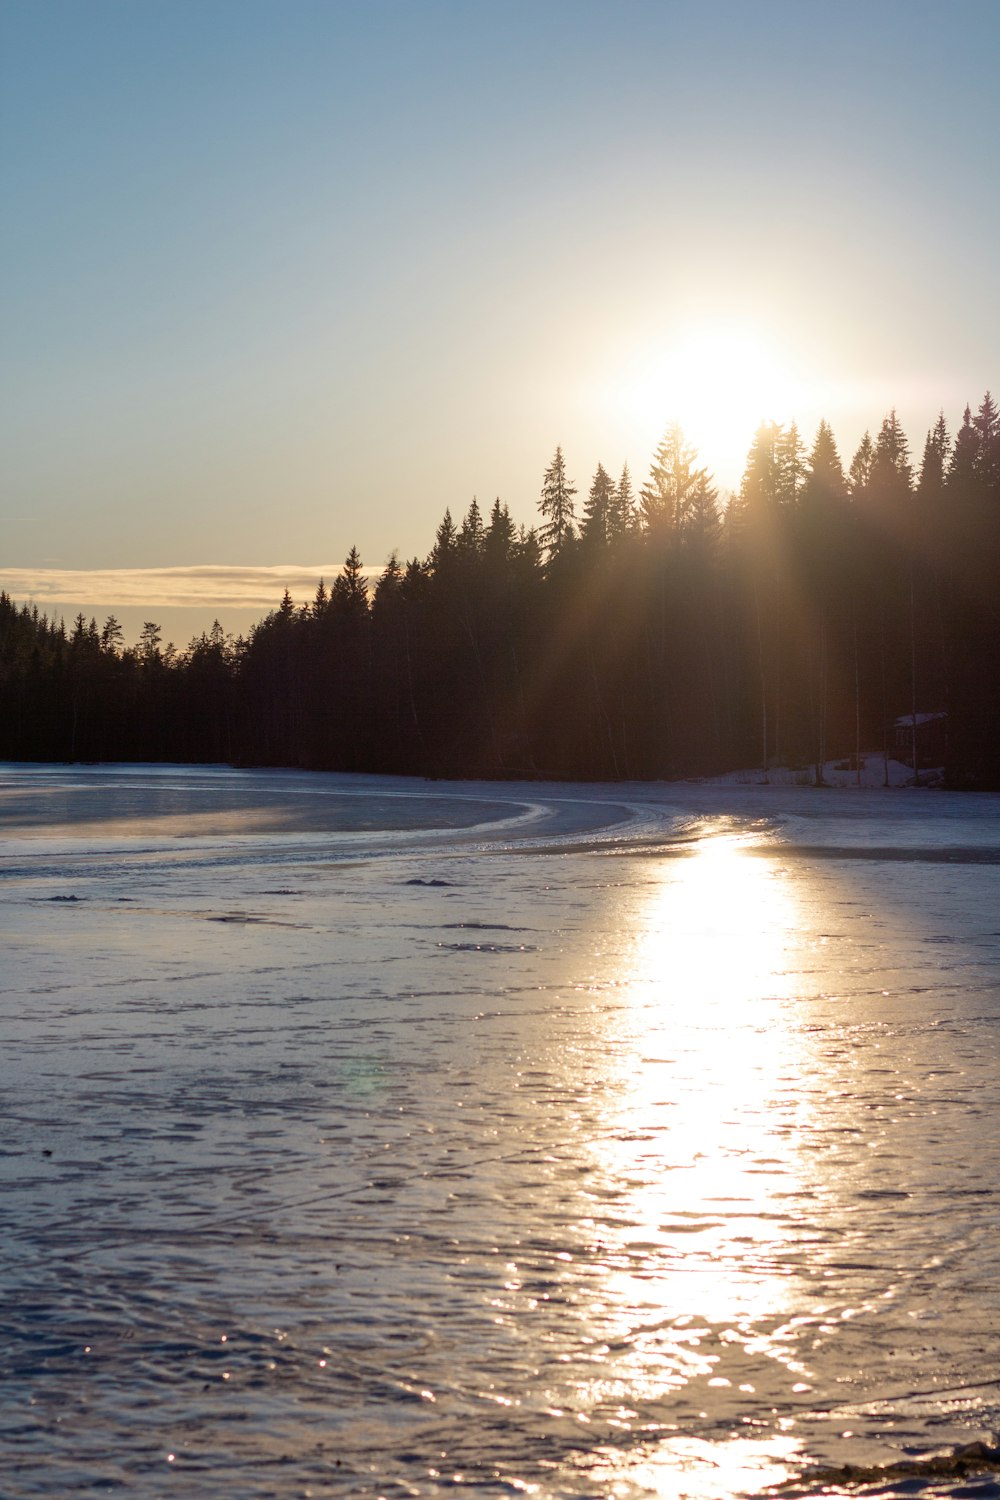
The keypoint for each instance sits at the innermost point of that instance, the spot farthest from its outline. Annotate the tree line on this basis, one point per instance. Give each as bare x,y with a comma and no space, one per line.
632,632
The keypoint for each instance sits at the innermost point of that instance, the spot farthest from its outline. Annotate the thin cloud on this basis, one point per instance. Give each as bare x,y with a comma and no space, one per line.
198,587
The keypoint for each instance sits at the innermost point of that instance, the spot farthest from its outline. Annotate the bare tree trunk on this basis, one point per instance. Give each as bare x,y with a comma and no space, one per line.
857,701
913,681
763,682
777,669
821,706
885,707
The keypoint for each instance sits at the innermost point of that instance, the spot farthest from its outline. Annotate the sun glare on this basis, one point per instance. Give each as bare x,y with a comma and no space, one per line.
699,1164
720,384
711,1053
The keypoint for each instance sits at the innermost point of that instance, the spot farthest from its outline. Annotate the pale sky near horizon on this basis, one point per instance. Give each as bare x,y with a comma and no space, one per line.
280,278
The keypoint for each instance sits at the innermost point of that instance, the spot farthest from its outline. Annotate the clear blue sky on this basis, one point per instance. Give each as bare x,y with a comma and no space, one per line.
282,277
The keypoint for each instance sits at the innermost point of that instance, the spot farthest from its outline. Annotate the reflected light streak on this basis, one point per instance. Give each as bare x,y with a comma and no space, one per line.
704,1131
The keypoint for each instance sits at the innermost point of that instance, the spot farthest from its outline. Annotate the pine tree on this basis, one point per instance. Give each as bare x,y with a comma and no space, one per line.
445,545
702,522
859,475
986,464
822,533
389,584
597,513
349,595
823,486
931,479
621,516
964,455
891,465
665,497
472,532
149,641
321,601
934,463
761,489
500,535
790,468
416,577
112,637
556,505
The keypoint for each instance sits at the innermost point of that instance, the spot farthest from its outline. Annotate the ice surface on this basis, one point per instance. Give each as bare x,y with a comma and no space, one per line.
361,1133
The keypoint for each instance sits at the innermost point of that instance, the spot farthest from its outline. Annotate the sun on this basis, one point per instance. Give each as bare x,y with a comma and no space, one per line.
720,383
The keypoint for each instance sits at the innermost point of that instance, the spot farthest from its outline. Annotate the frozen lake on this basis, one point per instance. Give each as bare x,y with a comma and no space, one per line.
369,1137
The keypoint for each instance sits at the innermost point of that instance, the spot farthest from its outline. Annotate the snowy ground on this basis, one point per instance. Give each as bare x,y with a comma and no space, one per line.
871,770
372,1137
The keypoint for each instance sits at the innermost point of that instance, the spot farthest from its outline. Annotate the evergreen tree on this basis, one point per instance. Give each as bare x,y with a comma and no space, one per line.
149,641
556,505
823,536
390,582
445,545
702,523
860,473
934,463
790,467
472,532
891,468
930,490
986,464
763,487
415,582
501,535
665,497
824,488
621,515
599,508
349,595
112,637
321,601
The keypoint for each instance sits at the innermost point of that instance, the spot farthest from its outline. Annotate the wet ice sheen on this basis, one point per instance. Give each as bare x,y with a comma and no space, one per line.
370,1137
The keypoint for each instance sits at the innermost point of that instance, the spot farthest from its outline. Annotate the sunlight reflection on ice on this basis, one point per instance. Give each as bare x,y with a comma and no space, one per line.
689,1469
706,1146
692,1188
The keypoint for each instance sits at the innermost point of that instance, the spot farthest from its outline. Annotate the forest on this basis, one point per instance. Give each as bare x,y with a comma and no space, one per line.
635,631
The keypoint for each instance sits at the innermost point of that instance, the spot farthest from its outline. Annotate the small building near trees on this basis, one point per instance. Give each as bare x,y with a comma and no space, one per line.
928,731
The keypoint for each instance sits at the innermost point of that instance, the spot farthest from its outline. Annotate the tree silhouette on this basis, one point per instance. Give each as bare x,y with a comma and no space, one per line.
556,506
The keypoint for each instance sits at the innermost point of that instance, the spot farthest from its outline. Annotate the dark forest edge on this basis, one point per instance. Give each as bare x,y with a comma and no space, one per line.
653,635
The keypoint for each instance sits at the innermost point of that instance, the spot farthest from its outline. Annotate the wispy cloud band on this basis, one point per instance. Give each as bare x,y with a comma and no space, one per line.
203,586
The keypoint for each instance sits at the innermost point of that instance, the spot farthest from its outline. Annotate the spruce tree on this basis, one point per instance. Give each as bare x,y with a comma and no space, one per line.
666,495
702,522
389,583
349,595
445,545
621,516
931,479
321,600
790,467
762,488
472,532
556,505
823,485
860,472
986,464
501,535
597,512
891,466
